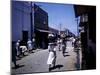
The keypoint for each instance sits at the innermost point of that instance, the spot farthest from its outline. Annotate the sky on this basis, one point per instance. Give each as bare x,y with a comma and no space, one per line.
60,14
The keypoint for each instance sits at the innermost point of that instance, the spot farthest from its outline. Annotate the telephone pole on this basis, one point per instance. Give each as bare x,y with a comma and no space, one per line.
59,28
31,14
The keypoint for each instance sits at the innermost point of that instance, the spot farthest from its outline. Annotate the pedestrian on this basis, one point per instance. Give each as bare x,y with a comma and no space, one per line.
59,44
18,48
23,50
52,55
63,47
73,41
33,43
29,44
14,53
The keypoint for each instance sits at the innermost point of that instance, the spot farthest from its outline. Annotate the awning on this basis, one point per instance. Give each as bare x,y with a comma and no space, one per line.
46,31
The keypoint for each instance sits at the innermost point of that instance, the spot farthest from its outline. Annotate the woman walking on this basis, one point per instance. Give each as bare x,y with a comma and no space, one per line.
52,55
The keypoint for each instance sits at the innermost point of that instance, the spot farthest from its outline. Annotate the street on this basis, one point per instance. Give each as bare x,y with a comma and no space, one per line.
37,62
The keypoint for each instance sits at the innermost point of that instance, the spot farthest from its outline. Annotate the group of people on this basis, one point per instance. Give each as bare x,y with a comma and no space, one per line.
60,44
20,48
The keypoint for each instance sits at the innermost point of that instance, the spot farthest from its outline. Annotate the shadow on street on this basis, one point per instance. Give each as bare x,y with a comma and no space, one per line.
55,67
19,66
66,55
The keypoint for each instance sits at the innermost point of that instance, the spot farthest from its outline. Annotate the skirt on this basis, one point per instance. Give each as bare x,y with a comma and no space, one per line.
51,58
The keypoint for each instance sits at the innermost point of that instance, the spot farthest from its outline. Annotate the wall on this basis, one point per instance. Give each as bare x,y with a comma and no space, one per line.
20,19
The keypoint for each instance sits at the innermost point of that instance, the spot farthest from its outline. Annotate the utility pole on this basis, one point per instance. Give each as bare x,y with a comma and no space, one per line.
77,27
60,29
31,14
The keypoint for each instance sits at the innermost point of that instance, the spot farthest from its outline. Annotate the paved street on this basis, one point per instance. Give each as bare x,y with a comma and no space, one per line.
37,62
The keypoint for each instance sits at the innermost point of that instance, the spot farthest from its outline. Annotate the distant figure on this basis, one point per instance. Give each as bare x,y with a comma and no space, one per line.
29,44
52,55
63,46
14,53
18,48
73,41
59,44
33,43
77,43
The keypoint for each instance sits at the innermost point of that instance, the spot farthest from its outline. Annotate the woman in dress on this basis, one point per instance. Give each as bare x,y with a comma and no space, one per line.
52,55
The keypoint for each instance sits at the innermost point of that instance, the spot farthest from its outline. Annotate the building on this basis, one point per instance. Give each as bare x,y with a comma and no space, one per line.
28,21
41,27
21,21
87,31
